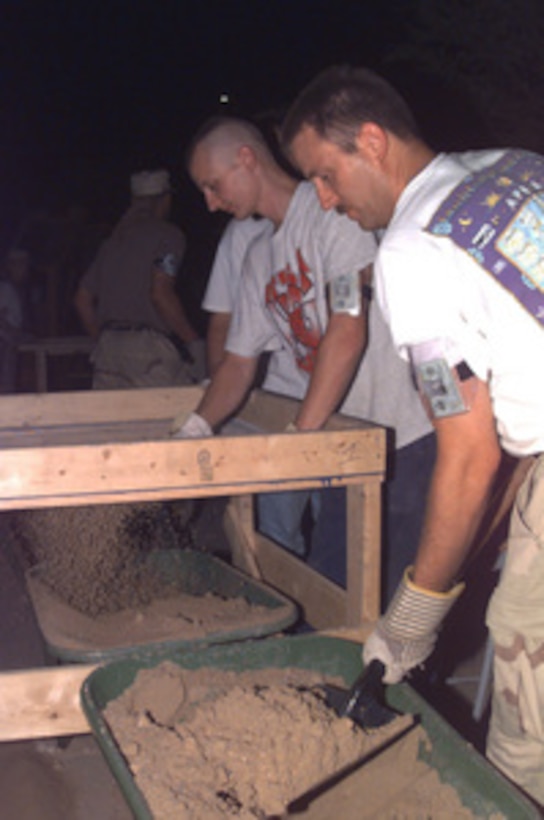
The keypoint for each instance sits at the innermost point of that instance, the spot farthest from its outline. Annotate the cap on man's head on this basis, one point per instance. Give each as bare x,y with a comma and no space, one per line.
150,183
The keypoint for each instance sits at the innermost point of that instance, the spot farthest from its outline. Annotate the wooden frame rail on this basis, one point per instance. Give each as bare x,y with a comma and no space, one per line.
96,447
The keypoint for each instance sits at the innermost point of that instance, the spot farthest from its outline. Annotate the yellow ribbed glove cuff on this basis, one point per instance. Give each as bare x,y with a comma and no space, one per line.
406,634
454,592
415,612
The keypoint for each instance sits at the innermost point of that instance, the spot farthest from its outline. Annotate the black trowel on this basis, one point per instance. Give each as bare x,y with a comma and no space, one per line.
364,702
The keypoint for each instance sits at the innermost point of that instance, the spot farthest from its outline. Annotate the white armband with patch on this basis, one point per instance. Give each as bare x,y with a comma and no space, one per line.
345,294
440,373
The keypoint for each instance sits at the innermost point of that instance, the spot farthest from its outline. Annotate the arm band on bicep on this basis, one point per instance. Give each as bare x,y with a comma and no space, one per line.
345,294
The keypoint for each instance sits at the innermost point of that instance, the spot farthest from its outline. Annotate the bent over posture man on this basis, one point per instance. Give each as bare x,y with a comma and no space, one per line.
459,276
302,296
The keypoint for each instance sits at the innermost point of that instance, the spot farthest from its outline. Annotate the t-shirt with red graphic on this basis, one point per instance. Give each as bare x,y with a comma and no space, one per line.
283,307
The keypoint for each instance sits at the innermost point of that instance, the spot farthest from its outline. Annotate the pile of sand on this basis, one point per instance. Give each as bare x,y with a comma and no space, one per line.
95,586
208,744
92,555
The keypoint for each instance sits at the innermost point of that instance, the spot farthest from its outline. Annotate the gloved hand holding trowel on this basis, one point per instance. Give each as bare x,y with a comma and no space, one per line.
403,638
406,634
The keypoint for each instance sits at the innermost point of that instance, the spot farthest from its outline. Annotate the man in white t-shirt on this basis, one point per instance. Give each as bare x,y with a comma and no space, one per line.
459,276
304,297
223,285
280,515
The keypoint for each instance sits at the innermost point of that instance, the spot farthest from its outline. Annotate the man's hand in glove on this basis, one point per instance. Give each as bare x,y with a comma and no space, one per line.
191,426
405,636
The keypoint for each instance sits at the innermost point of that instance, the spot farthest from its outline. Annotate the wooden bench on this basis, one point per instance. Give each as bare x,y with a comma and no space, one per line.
43,349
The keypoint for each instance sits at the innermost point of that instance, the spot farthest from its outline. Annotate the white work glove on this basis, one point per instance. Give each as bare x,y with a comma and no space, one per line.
405,636
194,426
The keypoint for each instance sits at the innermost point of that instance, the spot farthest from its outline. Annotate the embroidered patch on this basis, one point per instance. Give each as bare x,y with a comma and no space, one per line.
497,216
168,264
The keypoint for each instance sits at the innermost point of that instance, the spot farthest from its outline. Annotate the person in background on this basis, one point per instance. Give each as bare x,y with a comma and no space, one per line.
458,276
127,299
304,296
222,290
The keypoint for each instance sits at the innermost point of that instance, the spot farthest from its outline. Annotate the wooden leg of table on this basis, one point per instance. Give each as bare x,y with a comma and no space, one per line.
363,552
239,527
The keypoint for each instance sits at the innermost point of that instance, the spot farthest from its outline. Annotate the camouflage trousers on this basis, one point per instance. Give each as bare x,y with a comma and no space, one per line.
515,617
138,358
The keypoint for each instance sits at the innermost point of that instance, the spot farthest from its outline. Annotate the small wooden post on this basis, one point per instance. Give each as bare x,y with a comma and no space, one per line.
363,552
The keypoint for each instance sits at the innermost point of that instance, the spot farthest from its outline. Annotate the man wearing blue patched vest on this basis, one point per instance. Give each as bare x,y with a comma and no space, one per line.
460,278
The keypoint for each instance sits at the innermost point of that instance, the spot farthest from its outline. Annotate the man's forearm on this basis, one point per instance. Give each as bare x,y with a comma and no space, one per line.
456,503
227,389
168,304
468,457
215,340
337,360
172,312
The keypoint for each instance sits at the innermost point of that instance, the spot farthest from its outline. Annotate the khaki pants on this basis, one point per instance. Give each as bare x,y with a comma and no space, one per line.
137,358
516,620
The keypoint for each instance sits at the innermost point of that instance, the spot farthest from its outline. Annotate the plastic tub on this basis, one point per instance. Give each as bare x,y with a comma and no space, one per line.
70,637
479,786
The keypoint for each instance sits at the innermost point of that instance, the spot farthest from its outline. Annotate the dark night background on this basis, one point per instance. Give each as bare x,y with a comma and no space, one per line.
91,90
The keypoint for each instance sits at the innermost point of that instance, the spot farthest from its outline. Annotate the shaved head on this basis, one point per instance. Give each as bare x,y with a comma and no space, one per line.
224,136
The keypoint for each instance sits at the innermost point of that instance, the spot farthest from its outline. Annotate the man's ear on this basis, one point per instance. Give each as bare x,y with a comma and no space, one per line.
372,142
247,156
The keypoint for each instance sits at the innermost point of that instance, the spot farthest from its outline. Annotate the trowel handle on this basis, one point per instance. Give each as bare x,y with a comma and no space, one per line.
368,683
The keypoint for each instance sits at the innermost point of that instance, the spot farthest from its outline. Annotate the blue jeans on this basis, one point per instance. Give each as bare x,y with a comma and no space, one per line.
404,501
286,517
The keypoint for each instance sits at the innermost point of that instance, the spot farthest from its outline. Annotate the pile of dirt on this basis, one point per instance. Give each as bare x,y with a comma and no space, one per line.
96,584
208,744
92,555
170,617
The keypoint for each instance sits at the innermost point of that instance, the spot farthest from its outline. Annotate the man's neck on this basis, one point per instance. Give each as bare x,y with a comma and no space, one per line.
408,160
277,192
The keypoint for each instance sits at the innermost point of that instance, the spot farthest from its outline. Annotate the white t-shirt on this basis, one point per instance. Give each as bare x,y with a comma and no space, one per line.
222,293
283,307
441,273
224,283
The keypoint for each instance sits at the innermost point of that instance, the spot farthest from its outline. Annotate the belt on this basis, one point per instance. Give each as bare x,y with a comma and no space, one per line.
128,326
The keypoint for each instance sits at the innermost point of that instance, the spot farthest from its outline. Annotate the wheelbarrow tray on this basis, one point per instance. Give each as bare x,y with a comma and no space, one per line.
69,637
480,787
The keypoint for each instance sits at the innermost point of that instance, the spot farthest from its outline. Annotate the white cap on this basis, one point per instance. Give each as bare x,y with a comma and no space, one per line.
150,183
